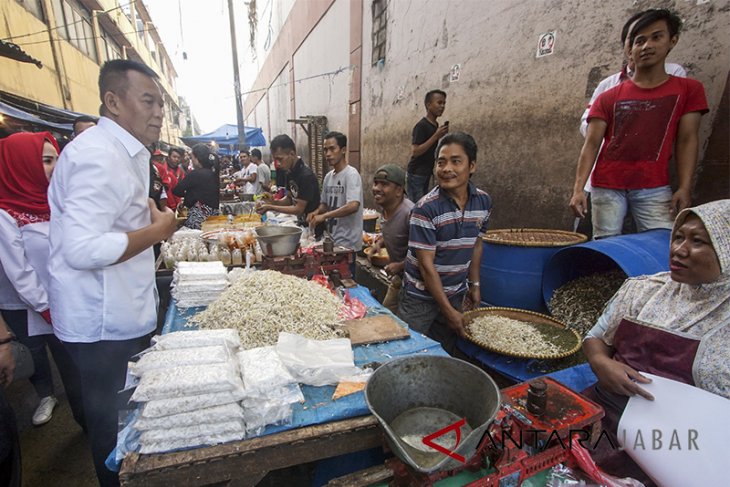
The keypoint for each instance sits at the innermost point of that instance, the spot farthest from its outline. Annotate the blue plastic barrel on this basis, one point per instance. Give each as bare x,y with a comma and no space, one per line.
636,254
513,262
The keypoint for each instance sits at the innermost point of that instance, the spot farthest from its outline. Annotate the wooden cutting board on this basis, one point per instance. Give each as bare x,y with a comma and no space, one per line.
375,329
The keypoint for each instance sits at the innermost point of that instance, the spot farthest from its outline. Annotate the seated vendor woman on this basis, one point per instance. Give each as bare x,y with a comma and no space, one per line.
673,324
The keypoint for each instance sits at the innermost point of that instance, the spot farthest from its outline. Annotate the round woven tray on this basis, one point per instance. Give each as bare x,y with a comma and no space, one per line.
536,319
533,237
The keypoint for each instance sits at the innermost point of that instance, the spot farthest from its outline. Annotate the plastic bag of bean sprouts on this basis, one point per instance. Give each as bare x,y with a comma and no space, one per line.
164,359
197,338
215,414
178,405
209,439
192,431
187,380
262,370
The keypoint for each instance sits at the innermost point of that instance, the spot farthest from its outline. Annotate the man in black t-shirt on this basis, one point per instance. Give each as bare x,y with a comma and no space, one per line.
426,135
301,184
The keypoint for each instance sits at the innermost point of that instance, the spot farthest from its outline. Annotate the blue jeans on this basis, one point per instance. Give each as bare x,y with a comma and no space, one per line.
649,207
417,186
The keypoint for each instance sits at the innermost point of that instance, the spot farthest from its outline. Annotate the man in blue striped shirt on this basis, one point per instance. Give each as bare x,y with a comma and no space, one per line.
445,245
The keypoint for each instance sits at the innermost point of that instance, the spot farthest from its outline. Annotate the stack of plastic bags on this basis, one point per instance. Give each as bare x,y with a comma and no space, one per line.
270,390
198,283
190,386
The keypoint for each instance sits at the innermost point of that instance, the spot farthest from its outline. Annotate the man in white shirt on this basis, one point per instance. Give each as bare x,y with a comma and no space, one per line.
103,226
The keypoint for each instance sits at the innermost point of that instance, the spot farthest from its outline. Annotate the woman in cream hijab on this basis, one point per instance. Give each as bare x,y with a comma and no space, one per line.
673,324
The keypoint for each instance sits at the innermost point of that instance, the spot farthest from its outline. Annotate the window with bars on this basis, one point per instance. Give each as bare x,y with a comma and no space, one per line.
380,24
74,24
35,7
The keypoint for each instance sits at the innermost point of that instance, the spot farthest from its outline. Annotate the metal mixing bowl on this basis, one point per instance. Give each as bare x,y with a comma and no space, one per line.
278,241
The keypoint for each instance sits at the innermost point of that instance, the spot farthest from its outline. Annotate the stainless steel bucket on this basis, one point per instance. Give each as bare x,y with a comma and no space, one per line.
278,241
414,397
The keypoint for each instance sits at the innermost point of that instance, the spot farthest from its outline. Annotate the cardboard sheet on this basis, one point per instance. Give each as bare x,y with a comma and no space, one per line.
682,437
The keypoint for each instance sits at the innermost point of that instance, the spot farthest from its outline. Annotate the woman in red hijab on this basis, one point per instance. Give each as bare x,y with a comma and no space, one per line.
26,164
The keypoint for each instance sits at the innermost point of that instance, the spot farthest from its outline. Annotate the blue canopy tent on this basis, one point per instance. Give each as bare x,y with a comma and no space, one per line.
226,137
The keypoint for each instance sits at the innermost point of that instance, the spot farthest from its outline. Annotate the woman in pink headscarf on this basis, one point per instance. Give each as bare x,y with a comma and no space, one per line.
26,164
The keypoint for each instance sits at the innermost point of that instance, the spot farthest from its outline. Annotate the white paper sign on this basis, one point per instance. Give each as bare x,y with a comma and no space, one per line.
546,44
681,438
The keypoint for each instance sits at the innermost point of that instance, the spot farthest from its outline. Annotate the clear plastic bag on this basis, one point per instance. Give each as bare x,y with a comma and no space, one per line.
164,359
271,407
187,380
197,338
215,414
209,439
178,405
316,362
259,418
193,431
262,370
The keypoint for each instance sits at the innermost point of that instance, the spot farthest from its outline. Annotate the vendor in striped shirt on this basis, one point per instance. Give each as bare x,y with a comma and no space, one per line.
444,247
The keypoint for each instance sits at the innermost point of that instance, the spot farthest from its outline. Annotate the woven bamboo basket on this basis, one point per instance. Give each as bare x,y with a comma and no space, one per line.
533,237
537,320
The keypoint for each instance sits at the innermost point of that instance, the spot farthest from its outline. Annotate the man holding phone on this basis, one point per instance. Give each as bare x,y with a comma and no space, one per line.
425,137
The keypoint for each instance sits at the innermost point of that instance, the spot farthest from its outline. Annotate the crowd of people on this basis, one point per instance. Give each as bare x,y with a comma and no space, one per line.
77,259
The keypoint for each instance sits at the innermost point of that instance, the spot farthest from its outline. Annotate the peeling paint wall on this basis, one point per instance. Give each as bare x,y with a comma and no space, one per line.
523,111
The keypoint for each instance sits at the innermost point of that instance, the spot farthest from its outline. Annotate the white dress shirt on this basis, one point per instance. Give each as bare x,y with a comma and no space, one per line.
611,82
98,193
24,257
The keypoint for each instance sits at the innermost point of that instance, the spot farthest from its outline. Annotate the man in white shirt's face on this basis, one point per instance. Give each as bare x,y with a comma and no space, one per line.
135,102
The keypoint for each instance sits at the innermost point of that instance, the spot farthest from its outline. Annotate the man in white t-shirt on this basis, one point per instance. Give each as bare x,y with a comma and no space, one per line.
263,172
247,175
341,202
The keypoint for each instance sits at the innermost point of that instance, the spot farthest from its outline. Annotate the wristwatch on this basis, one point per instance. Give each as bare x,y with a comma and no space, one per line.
10,338
472,283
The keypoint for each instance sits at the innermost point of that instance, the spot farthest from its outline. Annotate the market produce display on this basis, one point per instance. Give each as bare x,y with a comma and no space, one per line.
580,302
260,304
190,386
520,333
198,283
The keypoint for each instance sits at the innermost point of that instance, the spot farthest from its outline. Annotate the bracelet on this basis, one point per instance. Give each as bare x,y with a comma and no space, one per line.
472,283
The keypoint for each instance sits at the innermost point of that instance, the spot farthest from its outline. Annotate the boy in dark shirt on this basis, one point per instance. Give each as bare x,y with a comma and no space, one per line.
426,135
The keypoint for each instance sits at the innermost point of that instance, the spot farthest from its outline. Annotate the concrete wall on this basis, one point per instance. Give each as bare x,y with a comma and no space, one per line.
325,50
523,111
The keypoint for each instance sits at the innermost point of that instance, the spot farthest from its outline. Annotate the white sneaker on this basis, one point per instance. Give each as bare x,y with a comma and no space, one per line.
44,411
